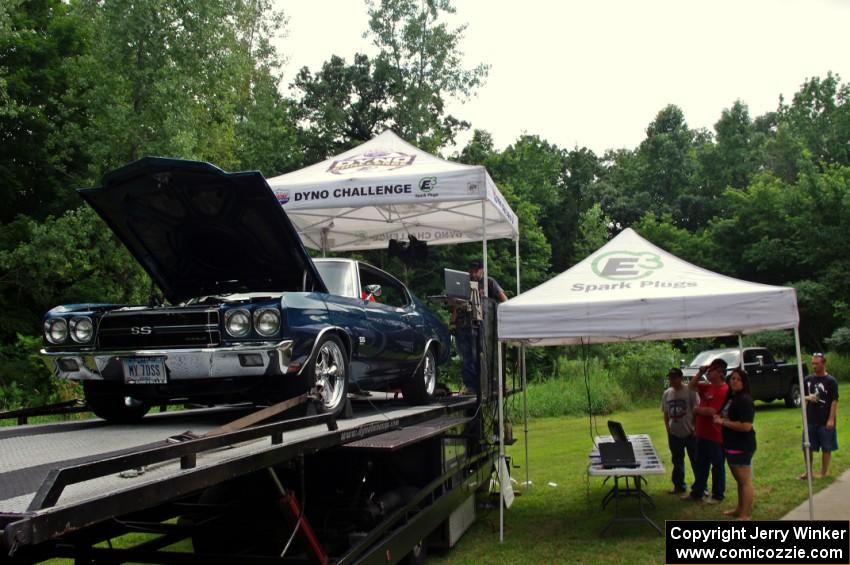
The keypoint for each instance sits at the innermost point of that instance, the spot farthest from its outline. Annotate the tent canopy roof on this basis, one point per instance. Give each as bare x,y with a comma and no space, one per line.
388,189
631,290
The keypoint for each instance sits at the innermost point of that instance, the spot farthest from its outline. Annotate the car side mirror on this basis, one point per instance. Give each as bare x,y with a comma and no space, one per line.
760,360
373,290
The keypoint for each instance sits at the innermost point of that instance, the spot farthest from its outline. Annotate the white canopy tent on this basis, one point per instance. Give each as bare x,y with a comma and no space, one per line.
388,189
631,290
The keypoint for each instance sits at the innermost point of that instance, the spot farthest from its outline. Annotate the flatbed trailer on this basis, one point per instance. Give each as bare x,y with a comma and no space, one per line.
381,485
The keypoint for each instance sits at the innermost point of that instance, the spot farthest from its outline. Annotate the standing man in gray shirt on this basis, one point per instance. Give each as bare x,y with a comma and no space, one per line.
677,404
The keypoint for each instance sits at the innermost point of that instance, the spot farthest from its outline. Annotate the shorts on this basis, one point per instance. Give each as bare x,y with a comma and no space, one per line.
739,458
823,439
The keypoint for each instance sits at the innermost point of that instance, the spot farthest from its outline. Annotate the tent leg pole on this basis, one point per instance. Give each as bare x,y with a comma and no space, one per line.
516,254
504,482
484,246
524,410
522,371
741,350
807,447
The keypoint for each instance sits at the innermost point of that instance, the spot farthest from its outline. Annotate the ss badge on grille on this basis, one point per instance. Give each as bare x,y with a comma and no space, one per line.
140,330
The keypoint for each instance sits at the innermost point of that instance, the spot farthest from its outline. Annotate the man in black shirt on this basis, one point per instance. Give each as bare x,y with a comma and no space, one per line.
467,344
821,394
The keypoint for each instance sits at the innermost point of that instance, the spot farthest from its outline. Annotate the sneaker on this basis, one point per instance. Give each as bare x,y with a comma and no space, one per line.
712,501
687,496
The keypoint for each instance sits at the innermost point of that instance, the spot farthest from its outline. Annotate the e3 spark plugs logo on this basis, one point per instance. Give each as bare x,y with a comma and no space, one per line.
626,265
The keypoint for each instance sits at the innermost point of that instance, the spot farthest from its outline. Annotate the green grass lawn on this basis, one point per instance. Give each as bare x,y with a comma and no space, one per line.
561,522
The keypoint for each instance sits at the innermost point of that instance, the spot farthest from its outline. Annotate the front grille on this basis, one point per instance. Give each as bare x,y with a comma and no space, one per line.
159,328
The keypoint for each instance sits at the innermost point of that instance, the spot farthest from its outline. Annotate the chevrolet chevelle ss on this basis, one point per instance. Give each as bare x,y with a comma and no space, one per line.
249,315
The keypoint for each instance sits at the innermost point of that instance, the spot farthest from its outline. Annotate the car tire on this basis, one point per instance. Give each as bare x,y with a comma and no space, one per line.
329,370
420,388
792,399
111,403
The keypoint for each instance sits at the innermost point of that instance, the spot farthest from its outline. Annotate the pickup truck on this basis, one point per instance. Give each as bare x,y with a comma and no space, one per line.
770,379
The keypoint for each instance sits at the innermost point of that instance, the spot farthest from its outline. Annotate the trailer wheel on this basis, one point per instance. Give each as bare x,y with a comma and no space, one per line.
420,388
792,399
328,372
112,404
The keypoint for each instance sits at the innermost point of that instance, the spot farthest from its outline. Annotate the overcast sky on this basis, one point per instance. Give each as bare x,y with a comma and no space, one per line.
595,73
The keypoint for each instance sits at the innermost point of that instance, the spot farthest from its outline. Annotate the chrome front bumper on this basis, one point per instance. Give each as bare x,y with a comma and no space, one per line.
249,360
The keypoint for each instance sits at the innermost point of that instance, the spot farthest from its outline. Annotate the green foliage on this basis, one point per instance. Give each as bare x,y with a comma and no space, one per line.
592,232
819,116
537,171
40,43
342,105
837,365
813,300
569,396
25,380
780,343
404,88
839,340
175,79
72,259
614,376
421,60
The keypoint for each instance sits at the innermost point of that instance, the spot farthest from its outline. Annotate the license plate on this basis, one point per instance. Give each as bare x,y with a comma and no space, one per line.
144,370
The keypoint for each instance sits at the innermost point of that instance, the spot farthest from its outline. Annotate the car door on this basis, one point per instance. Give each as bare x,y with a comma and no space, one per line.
760,368
395,322
771,377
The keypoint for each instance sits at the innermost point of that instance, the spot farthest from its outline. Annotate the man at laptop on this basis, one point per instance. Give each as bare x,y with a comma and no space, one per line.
709,455
467,344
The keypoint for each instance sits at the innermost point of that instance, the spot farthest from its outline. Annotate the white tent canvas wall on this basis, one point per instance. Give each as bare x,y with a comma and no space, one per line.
631,290
388,189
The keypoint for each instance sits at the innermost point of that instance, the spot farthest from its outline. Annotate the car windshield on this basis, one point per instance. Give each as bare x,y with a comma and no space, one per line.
706,357
338,277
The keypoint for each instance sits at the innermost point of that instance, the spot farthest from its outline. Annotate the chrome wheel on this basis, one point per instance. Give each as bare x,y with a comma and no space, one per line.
429,372
792,399
329,371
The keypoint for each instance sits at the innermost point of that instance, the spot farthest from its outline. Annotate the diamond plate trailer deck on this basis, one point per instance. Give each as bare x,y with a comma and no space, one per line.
64,487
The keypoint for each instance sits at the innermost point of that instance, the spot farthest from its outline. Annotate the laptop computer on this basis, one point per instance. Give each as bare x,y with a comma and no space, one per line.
457,284
616,430
617,453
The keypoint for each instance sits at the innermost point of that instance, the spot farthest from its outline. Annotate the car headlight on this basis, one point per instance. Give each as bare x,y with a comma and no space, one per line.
56,330
267,321
237,322
82,329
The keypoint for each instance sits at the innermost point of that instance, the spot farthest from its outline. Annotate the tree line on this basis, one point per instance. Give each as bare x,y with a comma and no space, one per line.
87,86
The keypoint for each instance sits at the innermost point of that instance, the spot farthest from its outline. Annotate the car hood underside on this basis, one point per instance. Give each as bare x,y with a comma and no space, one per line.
199,231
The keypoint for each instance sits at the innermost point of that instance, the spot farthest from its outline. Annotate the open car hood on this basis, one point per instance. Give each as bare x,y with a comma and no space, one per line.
198,231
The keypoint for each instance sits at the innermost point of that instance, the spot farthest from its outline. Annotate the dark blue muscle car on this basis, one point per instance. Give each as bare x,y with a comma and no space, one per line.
251,315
